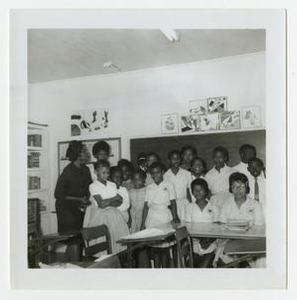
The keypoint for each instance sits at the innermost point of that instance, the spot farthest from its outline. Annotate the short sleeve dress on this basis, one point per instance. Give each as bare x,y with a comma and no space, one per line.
137,197
110,216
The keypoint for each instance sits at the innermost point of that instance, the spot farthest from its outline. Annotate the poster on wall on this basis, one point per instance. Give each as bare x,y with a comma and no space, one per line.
217,104
209,122
88,122
198,106
169,123
190,123
230,119
251,116
114,157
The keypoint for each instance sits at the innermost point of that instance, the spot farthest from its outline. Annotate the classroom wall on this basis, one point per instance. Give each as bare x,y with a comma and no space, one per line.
137,99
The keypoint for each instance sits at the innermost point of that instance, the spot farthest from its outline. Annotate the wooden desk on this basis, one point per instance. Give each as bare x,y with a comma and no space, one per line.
135,243
110,262
196,230
51,239
210,230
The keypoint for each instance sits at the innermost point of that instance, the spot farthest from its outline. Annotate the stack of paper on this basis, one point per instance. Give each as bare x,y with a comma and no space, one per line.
237,225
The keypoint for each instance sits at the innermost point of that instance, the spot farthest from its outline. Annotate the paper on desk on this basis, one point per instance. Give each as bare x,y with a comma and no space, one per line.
102,257
151,232
59,266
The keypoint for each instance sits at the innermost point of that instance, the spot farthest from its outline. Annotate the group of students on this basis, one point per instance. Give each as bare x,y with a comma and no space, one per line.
130,198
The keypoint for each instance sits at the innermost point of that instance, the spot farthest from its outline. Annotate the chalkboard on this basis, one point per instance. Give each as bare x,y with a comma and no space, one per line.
204,143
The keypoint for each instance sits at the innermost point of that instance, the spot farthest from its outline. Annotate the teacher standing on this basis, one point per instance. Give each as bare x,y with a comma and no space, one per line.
72,189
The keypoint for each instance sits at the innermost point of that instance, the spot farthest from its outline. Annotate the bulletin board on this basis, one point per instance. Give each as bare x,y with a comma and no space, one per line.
204,144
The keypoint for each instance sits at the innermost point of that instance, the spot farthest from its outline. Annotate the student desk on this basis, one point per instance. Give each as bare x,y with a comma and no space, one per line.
246,243
135,243
196,230
214,230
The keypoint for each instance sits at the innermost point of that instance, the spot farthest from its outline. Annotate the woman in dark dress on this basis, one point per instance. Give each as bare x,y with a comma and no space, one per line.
72,193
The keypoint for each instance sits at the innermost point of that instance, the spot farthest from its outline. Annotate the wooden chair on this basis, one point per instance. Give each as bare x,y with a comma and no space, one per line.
93,234
93,245
184,248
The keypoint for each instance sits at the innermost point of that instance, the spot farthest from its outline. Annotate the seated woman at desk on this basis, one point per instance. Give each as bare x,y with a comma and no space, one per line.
159,208
201,210
240,207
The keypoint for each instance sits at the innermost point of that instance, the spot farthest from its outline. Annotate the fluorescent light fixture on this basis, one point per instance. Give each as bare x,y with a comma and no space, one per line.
111,66
171,34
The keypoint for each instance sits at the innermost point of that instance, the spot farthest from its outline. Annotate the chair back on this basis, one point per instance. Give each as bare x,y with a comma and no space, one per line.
184,248
93,234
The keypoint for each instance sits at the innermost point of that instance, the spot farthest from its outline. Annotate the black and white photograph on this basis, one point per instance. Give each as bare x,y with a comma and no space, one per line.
124,172
152,207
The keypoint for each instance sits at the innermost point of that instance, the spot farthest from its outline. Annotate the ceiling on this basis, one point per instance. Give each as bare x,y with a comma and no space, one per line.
55,54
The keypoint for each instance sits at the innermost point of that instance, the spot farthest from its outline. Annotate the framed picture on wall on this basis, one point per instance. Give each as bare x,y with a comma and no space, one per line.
169,123
115,153
209,122
217,104
89,121
190,123
230,119
198,106
251,116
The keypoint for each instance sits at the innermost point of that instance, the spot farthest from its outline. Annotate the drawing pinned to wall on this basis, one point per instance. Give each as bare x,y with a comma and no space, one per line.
169,123
217,104
198,106
209,121
230,119
190,123
251,116
86,122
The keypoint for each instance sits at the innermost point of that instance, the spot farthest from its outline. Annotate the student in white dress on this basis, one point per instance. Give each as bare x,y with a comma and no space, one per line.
188,153
181,180
151,158
239,207
103,210
159,208
218,176
101,151
116,177
201,210
257,181
246,152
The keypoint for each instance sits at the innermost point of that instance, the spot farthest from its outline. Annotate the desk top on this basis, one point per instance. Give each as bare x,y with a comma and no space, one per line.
209,230
152,239
212,230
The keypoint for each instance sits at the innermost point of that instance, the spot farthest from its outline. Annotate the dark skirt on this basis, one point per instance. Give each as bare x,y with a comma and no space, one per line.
69,216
